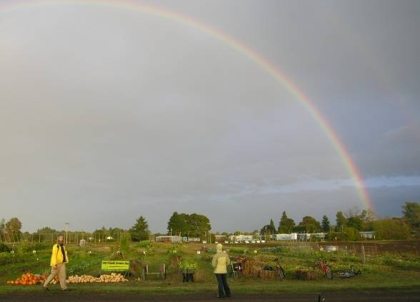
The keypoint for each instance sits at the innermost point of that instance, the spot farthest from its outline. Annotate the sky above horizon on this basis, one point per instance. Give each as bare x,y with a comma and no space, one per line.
110,113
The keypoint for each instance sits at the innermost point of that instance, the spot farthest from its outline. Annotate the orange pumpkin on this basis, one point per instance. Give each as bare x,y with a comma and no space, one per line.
27,279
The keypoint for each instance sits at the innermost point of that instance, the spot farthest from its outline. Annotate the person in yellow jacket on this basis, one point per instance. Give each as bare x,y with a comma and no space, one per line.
58,262
220,262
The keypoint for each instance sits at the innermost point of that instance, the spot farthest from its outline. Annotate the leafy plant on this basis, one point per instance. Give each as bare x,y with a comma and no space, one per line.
188,264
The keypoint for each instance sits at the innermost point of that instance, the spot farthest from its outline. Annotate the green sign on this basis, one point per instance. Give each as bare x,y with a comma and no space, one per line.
115,266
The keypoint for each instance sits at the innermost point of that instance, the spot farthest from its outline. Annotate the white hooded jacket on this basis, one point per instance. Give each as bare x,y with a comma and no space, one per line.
220,260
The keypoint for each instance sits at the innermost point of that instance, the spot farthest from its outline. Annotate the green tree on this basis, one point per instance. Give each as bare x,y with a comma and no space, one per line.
13,227
140,231
411,212
46,230
286,224
350,233
360,220
2,229
355,222
325,223
396,229
199,225
116,233
340,220
367,216
101,234
46,234
193,225
309,225
272,226
178,224
268,229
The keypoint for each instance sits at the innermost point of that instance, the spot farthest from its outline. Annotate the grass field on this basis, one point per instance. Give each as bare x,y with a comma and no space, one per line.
399,270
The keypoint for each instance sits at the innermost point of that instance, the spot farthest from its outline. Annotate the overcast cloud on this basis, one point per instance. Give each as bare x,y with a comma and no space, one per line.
109,113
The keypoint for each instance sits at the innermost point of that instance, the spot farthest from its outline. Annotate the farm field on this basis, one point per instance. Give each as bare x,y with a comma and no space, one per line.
390,270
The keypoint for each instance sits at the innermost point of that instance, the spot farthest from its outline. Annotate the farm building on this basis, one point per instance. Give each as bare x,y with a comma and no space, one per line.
307,236
292,236
367,235
241,238
191,239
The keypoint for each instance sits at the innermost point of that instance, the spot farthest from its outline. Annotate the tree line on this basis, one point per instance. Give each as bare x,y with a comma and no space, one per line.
180,224
347,227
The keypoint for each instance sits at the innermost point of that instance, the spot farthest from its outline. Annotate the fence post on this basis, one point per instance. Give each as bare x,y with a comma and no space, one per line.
363,254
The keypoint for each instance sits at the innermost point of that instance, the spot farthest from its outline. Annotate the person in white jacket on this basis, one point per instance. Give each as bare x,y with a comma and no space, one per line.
220,262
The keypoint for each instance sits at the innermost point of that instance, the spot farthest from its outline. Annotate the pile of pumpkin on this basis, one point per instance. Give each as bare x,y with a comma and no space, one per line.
32,279
112,278
27,279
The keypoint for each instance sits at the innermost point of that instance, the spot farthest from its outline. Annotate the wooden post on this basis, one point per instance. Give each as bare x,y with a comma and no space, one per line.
363,254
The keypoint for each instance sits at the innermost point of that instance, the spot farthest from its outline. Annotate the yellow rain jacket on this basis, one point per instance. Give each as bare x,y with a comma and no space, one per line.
57,255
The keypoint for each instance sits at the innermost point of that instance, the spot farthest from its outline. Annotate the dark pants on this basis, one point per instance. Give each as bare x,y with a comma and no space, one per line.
224,290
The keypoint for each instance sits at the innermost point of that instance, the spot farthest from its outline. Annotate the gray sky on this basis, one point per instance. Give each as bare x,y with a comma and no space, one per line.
109,113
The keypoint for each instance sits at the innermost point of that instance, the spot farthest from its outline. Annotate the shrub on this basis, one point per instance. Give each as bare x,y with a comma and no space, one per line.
4,248
8,258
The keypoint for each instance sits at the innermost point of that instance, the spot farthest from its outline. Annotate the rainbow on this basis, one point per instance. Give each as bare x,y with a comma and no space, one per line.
238,46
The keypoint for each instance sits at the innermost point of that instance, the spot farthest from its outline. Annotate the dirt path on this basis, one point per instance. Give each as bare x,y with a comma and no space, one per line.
409,296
